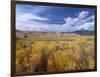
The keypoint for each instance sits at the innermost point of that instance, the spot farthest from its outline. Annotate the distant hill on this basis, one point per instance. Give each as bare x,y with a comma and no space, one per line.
84,32
78,32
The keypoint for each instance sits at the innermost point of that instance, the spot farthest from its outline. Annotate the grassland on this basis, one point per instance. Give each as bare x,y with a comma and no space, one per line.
52,52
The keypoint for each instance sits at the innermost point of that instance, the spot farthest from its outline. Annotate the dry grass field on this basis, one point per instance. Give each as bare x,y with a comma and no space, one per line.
54,53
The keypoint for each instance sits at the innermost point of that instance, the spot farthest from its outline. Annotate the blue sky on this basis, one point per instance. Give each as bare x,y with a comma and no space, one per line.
53,18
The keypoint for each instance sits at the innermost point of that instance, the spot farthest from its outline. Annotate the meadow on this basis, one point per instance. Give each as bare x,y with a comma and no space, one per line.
54,53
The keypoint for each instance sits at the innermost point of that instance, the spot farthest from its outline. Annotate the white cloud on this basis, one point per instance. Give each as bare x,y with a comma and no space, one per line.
83,14
29,16
82,21
87,26
68,19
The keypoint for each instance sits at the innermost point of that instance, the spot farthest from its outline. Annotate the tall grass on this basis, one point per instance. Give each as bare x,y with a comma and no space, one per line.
49,56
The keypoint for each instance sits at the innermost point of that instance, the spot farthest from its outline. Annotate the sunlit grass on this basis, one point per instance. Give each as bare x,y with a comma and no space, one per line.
71,53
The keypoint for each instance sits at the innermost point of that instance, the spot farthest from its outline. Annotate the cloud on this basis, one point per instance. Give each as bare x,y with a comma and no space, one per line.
29,16
83,14
82,21
88,26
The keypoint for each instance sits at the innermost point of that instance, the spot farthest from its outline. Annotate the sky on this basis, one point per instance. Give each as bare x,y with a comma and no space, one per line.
53,18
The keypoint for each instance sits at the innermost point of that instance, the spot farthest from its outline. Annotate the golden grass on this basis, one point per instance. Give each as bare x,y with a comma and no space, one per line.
48,56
